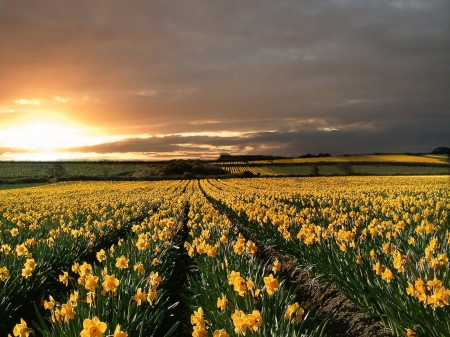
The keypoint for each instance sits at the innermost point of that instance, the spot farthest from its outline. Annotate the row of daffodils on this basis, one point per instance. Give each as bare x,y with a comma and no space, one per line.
383,240
93,259
234,293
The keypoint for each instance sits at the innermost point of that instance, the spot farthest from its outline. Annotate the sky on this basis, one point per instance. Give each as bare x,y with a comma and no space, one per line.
151,80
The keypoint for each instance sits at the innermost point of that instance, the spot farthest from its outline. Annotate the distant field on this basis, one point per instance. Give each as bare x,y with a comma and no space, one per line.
14,186
442,157
397,158
13,170
324,166
344,165
325,170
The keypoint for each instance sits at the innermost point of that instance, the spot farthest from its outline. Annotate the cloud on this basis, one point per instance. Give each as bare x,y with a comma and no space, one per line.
23,101
379,137
60,99
8,111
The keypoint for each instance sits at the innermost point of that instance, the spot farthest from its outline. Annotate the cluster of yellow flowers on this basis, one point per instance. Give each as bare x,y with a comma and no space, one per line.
81,210
257,166
432,292
240,285
294,313
86,212
95,328
241,246
64,312
153,281
199,324
396,228
91,328
250,291
243,321
119,263
353,212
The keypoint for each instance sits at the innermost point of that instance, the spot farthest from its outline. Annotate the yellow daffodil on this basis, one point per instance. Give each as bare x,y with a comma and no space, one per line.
4,273
101,255
122,262
93,328
119,333
387,275
67,311
410,333
140,296
151,296
197,316
49,304
222,303
139,268
85,269
27,272
221,333
74,298
21,250
271,284
30,264
91,282
22,329
276,266
110,283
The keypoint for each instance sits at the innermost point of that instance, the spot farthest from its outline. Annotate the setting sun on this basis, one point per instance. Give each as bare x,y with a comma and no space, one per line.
42,135
52,138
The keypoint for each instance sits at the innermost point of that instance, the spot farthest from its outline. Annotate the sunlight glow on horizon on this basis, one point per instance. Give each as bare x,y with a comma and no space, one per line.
55,137
49,136
41,135
110,156
72,156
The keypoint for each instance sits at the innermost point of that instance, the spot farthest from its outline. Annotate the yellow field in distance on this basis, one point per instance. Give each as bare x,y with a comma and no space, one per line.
397,158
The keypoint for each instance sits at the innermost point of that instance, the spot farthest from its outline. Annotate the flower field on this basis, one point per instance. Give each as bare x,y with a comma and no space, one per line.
359,158
336,170
186,258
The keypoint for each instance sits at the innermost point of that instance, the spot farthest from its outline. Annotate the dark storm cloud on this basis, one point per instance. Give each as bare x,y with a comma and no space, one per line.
375,70
365,138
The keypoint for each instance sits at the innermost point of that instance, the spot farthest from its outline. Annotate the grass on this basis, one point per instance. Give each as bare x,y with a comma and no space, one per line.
442,157
14,170
15,186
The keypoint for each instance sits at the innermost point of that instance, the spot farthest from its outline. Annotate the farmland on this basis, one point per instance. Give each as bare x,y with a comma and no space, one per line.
13,170
215,257
10,172
342,165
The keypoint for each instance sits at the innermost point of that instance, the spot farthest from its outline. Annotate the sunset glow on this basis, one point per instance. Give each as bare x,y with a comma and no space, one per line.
46,140
46,136
187,79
